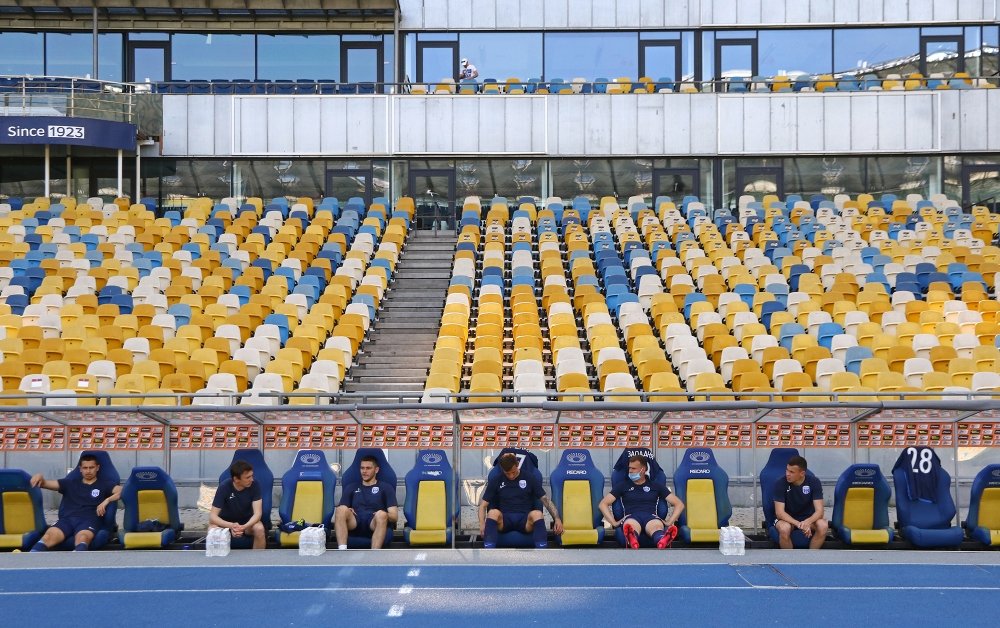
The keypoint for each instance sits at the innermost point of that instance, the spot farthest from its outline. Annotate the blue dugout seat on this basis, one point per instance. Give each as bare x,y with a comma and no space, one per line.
861,506
430,508
306,493
263,476
362,539
22,518
983,521
924,505
577,489
773,470
108,525
149,498
620,473
703,486
528,463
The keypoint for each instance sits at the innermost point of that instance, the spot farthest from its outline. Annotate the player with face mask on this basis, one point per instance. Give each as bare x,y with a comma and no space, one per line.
640,499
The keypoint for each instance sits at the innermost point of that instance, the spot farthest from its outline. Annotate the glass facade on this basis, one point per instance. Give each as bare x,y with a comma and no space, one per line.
301,56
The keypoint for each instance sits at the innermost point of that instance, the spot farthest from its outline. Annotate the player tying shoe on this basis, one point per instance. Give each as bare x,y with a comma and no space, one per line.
640,501
508,504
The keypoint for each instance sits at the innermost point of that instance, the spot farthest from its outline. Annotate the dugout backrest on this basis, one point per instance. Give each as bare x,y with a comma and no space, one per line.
307,490
619,473
983,522
924,505
429,508
22,518
861,506
352,474
577,488
703,486
262,474
773,470
149,499
108,525
528,463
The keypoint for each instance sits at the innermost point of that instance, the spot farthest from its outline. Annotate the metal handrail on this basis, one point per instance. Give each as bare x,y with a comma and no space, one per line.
66,96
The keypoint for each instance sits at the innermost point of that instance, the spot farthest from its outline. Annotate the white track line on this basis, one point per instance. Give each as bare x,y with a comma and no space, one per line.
482,590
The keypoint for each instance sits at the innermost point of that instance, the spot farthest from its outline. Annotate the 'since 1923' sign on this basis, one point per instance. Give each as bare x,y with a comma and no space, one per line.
62,130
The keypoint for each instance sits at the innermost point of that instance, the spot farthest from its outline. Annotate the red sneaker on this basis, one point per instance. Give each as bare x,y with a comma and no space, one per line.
631,538
668,538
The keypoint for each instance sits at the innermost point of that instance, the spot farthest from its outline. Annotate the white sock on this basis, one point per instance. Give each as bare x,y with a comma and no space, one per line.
340,547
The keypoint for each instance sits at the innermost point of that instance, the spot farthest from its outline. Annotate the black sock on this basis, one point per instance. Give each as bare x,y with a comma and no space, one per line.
657,536
539,534
491,533
39,547
81,547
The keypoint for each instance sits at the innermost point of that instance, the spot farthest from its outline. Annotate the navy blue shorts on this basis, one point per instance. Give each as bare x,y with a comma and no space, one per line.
515,521
71,526
365,520
642,519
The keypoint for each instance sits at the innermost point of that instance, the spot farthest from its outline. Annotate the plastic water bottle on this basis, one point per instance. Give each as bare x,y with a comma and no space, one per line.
741,542
726,546
217,542
312,541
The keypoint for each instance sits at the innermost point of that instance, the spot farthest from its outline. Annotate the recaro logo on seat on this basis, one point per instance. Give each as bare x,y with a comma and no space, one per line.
575,472
309,458
146,475
576,457
431,458
699,456
865,473
700,471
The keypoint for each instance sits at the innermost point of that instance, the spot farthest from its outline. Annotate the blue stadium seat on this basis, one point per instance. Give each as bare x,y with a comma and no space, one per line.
306,493
861,506
108,524
577,488
924,505
149,499
773,470
703,486
620,473
362,539
22,518
430,507
528,465
983,521
264,477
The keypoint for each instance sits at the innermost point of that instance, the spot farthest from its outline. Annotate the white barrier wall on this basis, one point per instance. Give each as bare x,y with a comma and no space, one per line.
677,125
581,14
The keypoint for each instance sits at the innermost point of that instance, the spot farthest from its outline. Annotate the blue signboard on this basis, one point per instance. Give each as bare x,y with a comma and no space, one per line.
64,130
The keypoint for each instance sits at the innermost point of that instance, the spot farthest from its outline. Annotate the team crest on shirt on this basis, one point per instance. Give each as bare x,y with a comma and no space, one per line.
645,488
805,489
374,490
95,492
522,484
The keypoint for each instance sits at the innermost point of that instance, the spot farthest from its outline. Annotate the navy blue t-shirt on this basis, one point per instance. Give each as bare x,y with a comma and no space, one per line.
369,499
236,506
517,495
81,500
642,498
798,500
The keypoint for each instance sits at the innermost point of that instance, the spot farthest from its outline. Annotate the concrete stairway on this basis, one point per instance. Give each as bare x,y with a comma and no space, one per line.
397,353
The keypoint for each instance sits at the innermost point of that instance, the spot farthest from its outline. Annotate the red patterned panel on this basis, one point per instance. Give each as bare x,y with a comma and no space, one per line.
32,438
605,435
497,436
979,434
803,434
417,436
683,435
872,434
213,436
310,436
116,436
